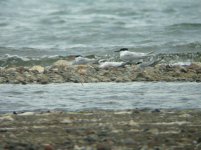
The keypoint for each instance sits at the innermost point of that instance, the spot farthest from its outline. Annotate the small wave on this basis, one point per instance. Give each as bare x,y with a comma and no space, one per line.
180,58
8,60
189,46
186,26
3,24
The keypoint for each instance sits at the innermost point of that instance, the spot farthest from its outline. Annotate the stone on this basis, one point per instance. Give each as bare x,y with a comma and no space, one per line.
129,141
20,79
91,138
6,118
61,63
38,69
43,79
103,146
48,147
11,70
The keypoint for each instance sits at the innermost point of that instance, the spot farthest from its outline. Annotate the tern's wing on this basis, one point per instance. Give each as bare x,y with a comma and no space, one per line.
129,56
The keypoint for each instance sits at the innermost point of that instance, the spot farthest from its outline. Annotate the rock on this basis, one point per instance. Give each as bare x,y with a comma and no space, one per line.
76,147
66,121
61,63
38,69
9,70
133,123
128,141
198,146
2,80
199,140
6,118
183,70
21,69
48,147
82,69
43,79
55,78
21,79
103,146
91,138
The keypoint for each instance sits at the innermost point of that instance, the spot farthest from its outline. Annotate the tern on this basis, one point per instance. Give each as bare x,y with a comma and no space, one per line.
110,64
128,56
80,60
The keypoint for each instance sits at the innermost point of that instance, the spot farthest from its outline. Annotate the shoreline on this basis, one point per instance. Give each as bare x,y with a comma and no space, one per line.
62,72
102,129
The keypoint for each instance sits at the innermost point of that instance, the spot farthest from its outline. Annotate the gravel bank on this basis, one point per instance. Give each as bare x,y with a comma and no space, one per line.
102,130
61,72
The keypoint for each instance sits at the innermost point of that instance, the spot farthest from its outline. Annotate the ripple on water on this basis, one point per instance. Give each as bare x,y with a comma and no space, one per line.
73,97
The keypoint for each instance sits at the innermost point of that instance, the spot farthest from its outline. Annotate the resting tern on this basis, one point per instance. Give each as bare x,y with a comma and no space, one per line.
108,64
80,60
128,56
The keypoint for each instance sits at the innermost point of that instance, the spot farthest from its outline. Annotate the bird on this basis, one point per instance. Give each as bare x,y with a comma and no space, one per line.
111,64
126,55
80,60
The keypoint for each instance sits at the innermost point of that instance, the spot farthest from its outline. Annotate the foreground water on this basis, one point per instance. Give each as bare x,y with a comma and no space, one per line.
115,96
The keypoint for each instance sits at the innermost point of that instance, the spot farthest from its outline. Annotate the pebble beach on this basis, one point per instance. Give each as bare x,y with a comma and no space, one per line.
143,129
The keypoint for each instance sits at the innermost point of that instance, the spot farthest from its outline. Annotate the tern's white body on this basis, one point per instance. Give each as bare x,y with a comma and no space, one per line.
82,61
106,65
132,56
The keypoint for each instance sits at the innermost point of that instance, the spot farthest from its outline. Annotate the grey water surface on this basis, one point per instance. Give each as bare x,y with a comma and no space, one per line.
115,96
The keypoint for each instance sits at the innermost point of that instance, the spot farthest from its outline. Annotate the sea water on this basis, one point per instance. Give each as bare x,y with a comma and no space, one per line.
90,96
41,32
36,28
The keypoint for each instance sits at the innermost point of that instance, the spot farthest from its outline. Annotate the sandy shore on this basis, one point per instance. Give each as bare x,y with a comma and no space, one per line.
102,130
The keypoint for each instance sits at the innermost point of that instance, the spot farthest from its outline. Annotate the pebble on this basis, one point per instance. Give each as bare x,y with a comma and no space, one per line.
6,118
103,146
61,63
38,69
91,138
48,147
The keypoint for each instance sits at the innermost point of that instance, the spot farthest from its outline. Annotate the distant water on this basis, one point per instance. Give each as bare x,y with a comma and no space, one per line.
35,28
115,96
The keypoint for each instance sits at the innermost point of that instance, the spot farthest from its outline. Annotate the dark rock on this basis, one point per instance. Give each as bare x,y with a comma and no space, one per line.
129,141
103,146
91,138
199,140
48,147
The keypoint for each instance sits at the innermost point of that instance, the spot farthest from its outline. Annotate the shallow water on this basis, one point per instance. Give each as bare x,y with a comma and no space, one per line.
115,96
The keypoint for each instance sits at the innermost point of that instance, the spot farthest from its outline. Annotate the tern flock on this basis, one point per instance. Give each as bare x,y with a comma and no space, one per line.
126,57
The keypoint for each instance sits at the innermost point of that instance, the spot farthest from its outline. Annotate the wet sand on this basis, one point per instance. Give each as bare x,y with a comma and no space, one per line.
102,130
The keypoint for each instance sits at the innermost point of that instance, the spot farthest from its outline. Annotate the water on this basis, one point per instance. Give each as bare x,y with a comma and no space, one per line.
115,96
47,28
35,32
